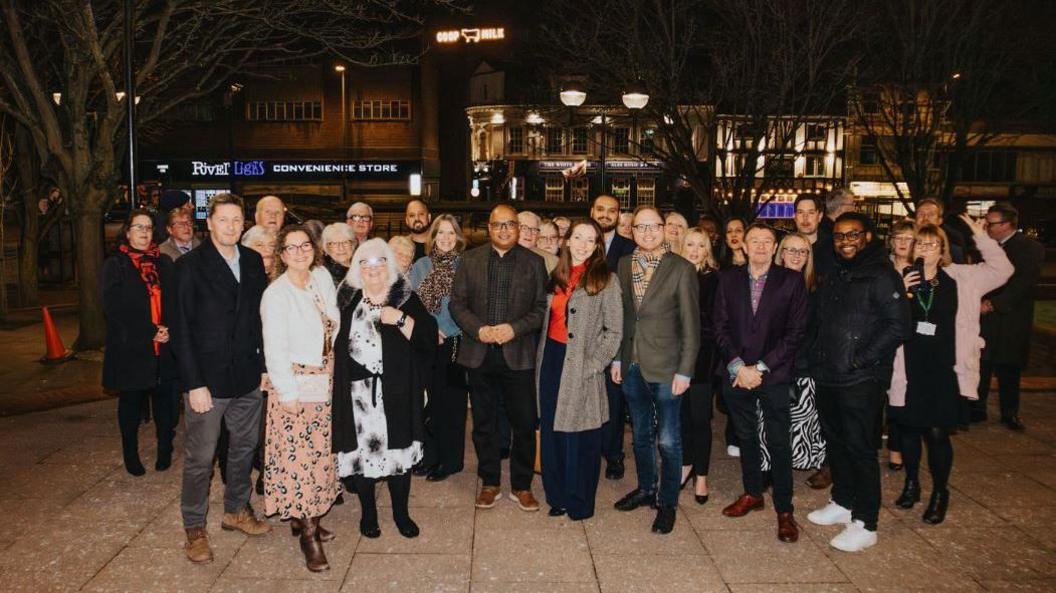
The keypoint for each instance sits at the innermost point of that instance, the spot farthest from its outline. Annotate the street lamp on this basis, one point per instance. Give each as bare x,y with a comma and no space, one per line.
572,94
635,99
340,69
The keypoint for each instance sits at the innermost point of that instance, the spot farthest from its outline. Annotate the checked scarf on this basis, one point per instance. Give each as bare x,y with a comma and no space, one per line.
146,262
642,267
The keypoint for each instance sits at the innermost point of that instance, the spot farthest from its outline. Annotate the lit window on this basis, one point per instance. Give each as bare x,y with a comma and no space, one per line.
621,190
284,111
580,189
516,140
646,191
381,110
554,189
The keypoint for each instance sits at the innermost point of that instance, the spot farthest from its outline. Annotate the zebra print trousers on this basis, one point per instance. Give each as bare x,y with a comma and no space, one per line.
808,446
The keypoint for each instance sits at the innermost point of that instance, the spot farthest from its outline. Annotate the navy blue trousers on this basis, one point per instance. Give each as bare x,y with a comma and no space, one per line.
571,460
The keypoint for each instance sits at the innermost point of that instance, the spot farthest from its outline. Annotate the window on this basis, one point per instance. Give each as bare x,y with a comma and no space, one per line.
816,132
868,153
646,191
870,103
284,111
554,189
621,190
516,140
192,111
580,189
815,166
621,140
990,166
780,166
579,140
381,109
555,141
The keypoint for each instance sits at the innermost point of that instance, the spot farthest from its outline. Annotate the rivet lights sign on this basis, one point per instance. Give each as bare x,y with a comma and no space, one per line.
471,35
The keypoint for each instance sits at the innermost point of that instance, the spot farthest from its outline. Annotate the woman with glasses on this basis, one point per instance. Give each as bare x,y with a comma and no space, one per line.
299,316
387,339
548,239
939,362
903,236
445,414
339,243
136,283
697,401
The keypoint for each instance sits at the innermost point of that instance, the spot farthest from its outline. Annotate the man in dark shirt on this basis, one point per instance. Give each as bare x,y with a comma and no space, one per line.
417,217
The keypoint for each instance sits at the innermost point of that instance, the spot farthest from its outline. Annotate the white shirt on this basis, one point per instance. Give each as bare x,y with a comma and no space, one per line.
293,333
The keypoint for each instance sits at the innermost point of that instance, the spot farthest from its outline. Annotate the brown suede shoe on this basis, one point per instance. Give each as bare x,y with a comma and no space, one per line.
197,546
743,505
487,496
244,521
787,529
525,500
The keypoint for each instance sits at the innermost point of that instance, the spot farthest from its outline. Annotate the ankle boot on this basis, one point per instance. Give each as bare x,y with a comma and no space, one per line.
910,495
936,511
325,534
314,557
132,463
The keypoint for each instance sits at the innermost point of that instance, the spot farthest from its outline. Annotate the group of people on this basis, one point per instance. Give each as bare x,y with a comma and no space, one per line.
330,360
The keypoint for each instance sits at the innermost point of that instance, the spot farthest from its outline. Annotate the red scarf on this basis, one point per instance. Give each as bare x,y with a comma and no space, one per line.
147,263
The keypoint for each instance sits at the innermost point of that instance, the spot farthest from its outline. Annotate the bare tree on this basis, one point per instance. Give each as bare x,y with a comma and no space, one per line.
61,63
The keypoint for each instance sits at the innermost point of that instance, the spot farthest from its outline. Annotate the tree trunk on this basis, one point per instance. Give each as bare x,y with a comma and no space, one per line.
28,260
88,233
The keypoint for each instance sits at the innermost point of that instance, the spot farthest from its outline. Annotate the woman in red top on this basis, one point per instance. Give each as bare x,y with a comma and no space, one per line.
584,325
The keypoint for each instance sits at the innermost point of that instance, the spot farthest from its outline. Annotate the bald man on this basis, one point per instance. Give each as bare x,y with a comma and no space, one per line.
270,213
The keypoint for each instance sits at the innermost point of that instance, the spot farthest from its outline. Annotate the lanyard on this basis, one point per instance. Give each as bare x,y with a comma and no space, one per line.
926,307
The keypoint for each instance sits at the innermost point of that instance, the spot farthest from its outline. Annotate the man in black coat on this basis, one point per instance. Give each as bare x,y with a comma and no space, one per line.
219,346
498,298
606,212
1008,316
863,319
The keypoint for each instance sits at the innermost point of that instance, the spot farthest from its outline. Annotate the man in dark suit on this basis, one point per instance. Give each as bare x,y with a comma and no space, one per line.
661,337
1008,316
760,319
219,347
606,212
498,298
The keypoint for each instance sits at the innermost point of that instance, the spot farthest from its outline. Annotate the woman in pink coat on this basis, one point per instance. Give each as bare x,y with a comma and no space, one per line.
939,362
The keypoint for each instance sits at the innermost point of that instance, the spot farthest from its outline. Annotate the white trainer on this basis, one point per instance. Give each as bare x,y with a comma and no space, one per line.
854,538
830,514
733,451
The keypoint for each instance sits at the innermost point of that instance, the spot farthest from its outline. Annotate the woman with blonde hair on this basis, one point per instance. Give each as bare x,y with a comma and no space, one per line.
675,228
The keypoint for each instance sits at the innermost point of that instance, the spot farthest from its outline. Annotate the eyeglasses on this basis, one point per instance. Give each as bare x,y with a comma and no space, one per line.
361,218
903,239
141,227
503,225
372,262
303,248
794,251
647,227
929,245
529,229
851,236
990,223
339,244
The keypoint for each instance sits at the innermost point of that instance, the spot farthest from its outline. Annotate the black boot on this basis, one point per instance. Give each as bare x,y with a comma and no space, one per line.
936,511
910,494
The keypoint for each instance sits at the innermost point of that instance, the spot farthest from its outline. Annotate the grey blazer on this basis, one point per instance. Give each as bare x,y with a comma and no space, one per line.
595,327
666,328
169,248
469,306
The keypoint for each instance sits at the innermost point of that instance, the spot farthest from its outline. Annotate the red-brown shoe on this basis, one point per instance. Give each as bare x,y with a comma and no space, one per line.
487,496
787,528
525,500
743,505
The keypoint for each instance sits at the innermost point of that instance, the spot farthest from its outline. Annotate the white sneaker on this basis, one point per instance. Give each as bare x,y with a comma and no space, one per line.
830,514
854,538
733,451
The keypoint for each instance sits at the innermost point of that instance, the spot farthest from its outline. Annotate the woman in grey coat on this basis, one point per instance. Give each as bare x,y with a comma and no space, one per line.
583,327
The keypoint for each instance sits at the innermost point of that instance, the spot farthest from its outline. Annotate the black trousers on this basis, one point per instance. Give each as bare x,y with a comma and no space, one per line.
489,384
612,431
776,403
696,427
166,403
1008,376
849,417
445,414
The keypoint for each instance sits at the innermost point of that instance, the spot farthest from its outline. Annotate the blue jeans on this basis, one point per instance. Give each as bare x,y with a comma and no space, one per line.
655,409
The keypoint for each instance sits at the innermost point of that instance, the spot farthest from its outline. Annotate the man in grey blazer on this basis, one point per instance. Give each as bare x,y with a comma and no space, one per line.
181,239
498,298
661,336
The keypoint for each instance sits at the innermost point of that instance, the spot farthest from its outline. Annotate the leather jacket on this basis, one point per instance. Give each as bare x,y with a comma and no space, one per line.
862,318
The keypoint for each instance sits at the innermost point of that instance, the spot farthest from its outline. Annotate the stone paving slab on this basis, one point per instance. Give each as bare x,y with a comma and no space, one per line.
77,522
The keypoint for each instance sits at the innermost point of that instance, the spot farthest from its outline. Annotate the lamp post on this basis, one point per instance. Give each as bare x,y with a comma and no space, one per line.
635,98
340,69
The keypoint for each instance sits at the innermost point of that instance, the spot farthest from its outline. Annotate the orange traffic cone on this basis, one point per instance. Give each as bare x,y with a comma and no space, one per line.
56,352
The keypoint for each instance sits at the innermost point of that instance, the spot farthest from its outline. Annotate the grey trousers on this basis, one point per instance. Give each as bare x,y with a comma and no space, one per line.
242,417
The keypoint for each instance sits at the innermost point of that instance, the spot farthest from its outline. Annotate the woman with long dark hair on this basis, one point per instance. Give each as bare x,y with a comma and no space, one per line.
583,326
136,283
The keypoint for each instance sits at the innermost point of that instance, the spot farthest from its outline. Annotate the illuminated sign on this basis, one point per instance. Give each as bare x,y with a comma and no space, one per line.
203,170
475,35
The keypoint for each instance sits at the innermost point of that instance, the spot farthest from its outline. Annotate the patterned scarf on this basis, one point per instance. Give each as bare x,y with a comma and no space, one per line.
642,267
146,262
437,284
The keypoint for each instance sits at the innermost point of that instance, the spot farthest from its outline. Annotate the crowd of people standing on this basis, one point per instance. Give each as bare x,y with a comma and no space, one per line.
329,359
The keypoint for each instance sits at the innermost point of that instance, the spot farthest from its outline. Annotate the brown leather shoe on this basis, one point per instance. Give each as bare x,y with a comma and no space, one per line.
743,505
486,498
325,535
821,479
244,521
525,500
312,547
787,528
197,546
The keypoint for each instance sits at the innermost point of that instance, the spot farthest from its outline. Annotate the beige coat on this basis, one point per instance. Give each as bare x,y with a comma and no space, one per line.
595,328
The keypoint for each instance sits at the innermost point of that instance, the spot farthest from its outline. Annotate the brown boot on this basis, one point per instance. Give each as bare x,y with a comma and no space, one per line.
244,521
821,479
314,557
197,546
325,535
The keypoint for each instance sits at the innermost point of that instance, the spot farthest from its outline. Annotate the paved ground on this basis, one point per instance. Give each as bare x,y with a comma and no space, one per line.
77,522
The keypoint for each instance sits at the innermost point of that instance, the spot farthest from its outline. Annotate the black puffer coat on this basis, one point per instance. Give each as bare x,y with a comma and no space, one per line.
862,318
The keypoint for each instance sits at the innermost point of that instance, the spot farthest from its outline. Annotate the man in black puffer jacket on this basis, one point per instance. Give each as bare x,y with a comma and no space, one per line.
862,319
